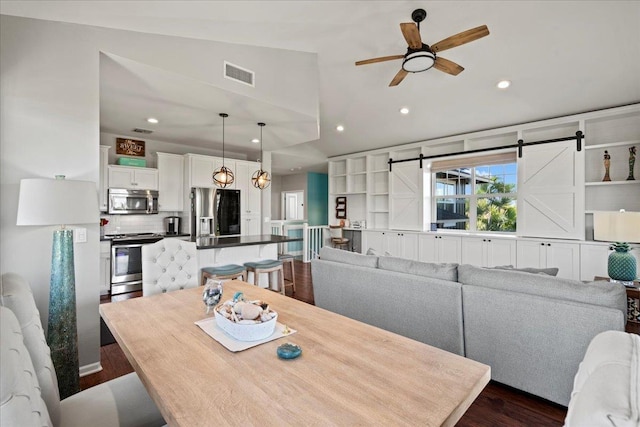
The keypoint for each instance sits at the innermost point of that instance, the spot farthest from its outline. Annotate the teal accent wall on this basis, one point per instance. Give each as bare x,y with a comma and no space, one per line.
317,198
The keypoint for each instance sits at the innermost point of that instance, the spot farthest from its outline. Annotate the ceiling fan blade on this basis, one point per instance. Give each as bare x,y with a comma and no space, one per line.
380,59
461,38
447,66
411,35
399,77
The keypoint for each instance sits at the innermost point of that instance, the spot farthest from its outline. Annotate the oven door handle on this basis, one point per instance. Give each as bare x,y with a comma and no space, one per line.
133,245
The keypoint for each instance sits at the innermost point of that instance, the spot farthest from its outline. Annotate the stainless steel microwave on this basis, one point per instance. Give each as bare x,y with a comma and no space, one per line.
127,202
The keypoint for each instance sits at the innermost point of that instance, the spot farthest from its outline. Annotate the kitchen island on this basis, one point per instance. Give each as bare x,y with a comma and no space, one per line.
216,251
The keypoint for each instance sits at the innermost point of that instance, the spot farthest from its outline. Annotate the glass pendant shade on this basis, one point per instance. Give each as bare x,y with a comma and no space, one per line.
223,176
261,179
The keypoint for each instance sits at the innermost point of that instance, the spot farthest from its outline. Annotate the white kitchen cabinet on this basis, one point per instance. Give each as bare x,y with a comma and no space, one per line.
200,171
401,244
439,248
104,177
133,177
105,267
250,225
373,240
548,254
488,251
170,182
250,196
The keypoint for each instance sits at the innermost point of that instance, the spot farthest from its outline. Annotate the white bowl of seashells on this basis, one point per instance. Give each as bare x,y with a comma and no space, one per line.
246,320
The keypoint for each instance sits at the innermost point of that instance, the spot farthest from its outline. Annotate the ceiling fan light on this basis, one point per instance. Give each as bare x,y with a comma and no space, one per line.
417,61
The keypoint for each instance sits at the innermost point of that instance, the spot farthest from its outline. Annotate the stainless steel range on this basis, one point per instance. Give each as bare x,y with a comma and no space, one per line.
126,260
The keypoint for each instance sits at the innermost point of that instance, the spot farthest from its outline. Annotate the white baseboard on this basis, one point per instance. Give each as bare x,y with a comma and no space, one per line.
89,369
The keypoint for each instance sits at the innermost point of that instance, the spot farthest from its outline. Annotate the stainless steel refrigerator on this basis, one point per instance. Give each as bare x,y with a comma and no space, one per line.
215,212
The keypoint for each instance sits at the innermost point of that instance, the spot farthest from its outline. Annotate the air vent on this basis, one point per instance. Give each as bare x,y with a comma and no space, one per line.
239,74
138,130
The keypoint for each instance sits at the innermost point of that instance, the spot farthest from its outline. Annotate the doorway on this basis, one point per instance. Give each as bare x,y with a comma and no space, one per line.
292,205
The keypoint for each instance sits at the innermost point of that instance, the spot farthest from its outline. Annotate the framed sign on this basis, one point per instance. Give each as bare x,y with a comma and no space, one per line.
129,147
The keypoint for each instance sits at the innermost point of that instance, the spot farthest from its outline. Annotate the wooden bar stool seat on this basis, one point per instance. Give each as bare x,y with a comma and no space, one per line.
266,266
289,260
223,272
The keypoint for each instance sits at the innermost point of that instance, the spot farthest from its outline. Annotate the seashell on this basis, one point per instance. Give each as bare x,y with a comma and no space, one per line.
247,322
238,307
251,312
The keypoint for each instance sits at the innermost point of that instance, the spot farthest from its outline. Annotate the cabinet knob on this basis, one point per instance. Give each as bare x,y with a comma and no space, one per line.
484,240
542,244
489,240
548,244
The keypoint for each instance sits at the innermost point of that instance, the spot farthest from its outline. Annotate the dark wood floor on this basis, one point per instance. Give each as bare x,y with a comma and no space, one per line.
497,405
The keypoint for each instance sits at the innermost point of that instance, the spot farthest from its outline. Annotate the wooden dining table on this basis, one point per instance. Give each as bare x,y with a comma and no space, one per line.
349,373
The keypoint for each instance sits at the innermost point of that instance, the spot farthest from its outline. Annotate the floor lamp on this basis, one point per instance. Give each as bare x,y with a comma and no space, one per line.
59,202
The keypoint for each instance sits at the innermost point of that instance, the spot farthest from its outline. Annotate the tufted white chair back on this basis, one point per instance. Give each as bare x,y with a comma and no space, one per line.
169,265
21,403
16,294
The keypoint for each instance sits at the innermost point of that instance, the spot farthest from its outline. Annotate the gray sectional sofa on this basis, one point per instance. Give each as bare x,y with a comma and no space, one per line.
531,328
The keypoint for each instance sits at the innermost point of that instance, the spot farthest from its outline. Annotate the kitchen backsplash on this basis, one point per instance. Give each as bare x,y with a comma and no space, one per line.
137,223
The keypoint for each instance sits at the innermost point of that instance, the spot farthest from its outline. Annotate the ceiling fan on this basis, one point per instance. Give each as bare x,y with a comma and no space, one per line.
420,56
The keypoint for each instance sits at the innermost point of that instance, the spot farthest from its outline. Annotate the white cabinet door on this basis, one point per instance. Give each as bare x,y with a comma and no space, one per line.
593,261
551,191
548,254
500,252
373,240
104,177
410,249
250,196
250,225
432,248
133,178
170,182
565,256
201,171
145,179
473,251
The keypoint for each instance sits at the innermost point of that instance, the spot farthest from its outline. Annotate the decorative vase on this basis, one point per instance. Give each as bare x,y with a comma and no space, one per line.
622,264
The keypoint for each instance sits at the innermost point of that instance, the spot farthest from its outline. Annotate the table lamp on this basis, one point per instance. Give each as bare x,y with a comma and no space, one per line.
59,202
621,228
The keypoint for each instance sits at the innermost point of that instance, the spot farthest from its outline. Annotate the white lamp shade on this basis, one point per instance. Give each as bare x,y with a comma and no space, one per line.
57,202
616,226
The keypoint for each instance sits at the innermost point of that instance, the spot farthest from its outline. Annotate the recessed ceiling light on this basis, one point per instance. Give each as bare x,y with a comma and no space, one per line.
255,140
404,110
340,128
503,84
152,120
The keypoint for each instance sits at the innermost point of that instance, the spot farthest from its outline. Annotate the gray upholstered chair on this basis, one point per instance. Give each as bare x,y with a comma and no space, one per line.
169,265
29,388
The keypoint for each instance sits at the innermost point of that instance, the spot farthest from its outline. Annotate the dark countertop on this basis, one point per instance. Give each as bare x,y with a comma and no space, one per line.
229,242
109,237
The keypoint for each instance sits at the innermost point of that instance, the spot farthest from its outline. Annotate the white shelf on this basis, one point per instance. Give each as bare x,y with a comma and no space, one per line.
380,171
611,144
379,211
379,194
337,175
356,173
606,183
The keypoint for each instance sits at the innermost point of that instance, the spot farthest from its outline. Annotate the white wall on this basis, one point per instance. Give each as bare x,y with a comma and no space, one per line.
297,182
49,93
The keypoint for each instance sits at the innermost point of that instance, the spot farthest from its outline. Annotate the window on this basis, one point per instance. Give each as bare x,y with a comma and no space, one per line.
476,194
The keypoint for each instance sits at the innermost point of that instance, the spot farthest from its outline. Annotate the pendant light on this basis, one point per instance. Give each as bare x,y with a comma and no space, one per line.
261,178
223,177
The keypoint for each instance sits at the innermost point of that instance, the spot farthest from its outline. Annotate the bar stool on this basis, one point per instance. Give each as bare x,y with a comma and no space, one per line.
223,272
266,266
289,260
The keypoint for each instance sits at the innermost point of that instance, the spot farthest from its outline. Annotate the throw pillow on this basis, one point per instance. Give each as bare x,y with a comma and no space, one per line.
345,257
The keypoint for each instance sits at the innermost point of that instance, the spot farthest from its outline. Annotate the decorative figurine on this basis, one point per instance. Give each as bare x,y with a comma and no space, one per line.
607,164
632,162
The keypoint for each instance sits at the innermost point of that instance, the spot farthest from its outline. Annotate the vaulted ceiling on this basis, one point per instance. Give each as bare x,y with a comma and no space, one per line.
562,57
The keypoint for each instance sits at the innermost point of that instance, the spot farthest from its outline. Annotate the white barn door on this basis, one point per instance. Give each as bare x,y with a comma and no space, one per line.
551,191
405,193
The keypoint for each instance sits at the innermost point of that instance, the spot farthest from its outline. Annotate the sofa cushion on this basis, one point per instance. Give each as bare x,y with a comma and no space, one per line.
606,389
549,271
597,293
338,255
426,269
